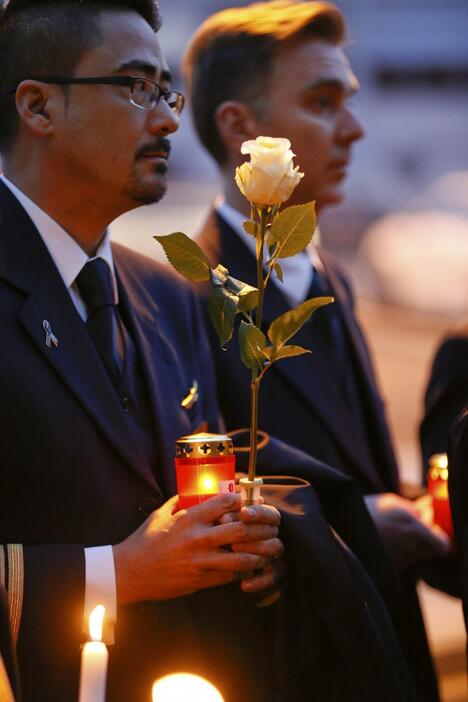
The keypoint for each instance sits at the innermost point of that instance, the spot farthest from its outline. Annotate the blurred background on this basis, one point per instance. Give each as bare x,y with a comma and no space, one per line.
402,232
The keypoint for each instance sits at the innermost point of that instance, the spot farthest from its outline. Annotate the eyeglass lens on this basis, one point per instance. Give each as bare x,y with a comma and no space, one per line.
147,94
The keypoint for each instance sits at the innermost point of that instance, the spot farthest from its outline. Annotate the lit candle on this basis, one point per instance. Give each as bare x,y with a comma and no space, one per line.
205,466
185,686
438,489
94,659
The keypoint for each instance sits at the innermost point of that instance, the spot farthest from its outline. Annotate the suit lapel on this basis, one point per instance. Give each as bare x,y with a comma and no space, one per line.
310,375
350,323
367,382
28,266
160,366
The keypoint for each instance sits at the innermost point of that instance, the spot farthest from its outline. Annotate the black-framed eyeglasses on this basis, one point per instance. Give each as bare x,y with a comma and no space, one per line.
144,93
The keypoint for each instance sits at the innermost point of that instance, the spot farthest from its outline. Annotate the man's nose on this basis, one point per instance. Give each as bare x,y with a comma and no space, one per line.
350,128
162,119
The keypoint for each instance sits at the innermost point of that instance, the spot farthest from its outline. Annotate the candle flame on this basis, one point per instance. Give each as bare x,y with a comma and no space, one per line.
181,687
96,619
207,482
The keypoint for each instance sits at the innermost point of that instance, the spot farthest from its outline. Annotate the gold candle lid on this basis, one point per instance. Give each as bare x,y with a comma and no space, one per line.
438,466
203,445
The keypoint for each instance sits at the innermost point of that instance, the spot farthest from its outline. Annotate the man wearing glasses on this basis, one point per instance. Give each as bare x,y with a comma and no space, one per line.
99,348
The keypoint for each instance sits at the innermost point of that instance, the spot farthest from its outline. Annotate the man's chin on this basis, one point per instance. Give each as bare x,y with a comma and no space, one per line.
147,193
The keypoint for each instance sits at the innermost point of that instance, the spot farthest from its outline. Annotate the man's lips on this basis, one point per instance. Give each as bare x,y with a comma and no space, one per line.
159,150
339,165
156,154
338,169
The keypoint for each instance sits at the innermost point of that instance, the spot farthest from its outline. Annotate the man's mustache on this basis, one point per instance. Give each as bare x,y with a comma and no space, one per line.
162,145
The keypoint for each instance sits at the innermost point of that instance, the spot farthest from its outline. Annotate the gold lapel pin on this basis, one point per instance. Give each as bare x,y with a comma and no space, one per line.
190,399
51,339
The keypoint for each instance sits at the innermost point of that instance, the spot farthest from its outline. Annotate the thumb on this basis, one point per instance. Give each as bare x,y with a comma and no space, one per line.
170,506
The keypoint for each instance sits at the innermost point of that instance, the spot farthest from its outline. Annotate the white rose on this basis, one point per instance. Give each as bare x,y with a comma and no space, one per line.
270,177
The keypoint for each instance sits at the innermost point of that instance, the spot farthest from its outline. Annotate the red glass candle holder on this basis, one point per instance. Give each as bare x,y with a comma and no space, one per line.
437,486
205,466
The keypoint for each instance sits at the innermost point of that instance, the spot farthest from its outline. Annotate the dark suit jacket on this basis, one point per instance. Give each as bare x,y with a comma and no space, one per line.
300,404
446,393
71,475
334,589
458,489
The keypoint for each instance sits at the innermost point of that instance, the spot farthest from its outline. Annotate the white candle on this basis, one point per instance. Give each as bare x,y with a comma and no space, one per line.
94,659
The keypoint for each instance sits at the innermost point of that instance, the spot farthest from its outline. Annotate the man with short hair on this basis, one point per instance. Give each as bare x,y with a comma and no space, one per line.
278,69
96,360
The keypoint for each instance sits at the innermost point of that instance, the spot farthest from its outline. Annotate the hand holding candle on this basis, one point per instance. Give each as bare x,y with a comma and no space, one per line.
94,659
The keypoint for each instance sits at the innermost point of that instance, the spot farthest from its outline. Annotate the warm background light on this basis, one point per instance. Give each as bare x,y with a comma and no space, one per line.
96,619
185,687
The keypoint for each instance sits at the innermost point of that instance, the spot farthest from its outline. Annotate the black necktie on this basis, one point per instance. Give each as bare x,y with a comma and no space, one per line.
327,322
95,286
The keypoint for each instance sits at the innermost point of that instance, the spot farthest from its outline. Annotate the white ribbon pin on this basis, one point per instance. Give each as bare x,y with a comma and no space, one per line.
51,339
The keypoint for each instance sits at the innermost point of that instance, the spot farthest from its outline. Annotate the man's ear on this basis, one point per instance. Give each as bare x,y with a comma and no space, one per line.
36,103
236,123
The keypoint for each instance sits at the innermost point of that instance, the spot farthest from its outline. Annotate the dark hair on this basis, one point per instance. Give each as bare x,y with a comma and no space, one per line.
36,36
230,55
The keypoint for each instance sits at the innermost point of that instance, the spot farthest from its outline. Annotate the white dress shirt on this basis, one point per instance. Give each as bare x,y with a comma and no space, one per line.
69,258
298,270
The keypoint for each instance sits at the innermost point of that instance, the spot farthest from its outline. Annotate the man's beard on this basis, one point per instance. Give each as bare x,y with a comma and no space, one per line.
146,191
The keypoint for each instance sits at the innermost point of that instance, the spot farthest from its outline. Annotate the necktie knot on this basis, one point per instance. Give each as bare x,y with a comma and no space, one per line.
95,285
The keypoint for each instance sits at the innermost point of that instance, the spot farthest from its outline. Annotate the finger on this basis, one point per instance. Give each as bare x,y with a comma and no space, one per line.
229,517
170,507
213,509
423,501
266,579
238,532
272,548
265,514
234,562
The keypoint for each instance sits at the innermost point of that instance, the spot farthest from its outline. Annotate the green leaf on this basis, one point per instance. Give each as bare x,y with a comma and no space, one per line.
251,227
248,298
276,354
252,341
293,229
222,307
279,271
285,326
185,256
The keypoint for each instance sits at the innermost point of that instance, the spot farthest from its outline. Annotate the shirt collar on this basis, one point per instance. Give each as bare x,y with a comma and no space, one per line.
297,270
67,255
